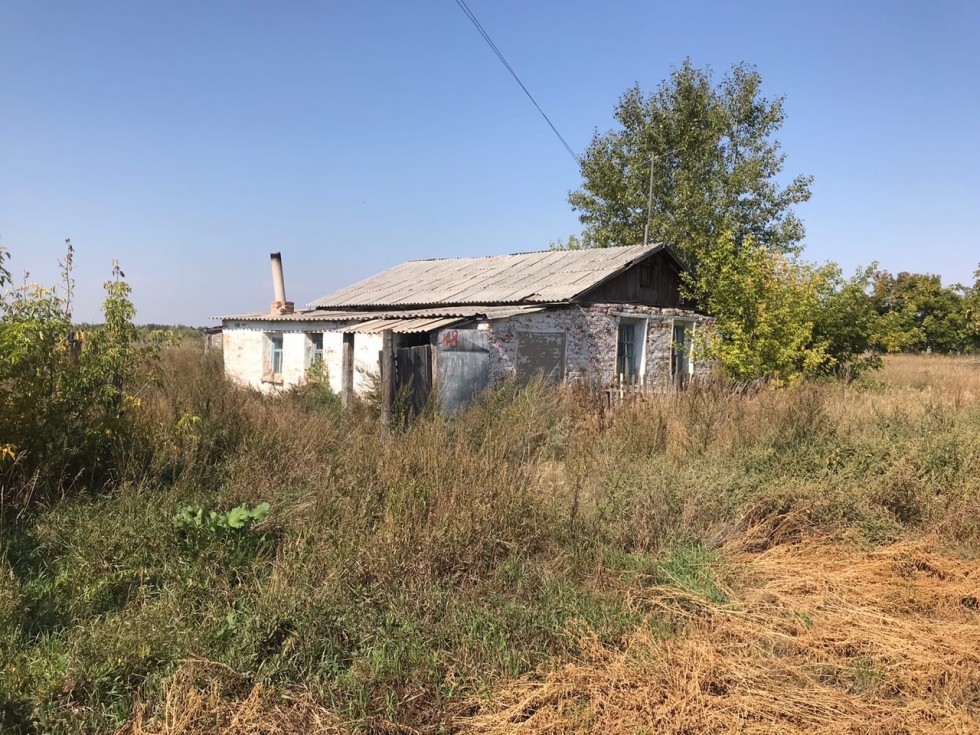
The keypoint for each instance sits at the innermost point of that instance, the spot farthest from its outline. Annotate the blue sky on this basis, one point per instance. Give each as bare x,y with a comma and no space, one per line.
189,140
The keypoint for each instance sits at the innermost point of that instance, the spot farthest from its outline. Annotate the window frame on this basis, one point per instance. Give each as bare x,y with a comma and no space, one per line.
636,352
272,356
687,350
314,354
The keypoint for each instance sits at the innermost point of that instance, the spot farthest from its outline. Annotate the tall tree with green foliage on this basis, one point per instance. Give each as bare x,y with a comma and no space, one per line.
715,167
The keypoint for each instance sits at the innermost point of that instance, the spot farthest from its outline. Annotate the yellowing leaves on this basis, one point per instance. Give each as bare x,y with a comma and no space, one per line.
764,305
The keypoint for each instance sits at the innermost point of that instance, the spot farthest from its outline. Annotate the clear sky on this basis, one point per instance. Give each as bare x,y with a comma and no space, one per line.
190,139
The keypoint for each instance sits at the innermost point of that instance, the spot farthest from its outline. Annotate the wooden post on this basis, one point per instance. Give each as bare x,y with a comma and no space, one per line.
347,371
387,377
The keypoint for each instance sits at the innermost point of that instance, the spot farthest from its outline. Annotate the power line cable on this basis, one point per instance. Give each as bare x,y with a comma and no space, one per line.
486,37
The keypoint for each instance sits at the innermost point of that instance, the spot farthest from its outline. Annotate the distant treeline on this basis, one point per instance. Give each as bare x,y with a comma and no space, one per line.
917,313
178,332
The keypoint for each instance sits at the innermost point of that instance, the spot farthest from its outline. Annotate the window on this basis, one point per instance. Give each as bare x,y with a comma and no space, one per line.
680,352
275,354
626,351
629,350
316,348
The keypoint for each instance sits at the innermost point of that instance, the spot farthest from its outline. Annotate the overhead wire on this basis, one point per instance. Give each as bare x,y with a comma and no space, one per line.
486,37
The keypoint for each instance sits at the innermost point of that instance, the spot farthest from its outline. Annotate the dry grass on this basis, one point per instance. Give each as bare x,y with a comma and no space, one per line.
822,639
950,378
206,698
533,564
819,635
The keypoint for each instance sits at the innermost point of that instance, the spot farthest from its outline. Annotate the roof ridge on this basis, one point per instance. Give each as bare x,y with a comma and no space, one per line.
532,252
454,257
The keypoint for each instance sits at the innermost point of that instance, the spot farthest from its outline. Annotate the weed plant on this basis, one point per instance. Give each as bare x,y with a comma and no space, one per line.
389,578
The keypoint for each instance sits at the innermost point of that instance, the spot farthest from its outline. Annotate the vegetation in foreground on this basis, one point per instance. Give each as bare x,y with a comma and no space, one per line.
431,581
179,555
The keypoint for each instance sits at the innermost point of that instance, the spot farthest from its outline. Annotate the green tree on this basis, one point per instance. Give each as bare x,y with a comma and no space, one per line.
715,167
919,314
971,308
764,305
846,322
779,318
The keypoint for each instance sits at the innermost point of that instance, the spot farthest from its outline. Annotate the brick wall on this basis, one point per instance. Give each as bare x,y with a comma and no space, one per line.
246,349
591,334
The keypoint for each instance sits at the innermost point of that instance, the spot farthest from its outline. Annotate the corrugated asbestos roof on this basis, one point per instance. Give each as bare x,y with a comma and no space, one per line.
314,315
339,315
552,276
402,326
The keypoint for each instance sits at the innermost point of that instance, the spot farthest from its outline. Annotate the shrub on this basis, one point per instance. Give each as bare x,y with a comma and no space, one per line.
779,318
68,397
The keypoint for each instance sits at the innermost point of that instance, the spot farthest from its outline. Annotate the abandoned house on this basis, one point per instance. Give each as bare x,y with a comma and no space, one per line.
614,317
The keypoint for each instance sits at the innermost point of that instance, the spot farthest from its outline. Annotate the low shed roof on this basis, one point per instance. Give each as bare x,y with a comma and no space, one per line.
454,313
402,326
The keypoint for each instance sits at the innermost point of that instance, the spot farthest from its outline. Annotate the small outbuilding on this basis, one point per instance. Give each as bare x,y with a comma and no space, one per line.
615,318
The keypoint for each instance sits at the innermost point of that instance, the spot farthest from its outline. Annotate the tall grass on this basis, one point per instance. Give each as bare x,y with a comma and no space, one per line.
397,575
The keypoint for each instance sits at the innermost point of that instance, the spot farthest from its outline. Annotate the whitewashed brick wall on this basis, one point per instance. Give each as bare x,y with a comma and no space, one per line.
246,349
590,346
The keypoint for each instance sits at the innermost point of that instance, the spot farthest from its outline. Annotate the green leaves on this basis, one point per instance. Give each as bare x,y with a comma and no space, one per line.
224,536
715,165
63,401
243,516
191,519
917,313
780,318
765,306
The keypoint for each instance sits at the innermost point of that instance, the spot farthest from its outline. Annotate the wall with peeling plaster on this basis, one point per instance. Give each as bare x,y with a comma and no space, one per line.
590,341
246,354
591,334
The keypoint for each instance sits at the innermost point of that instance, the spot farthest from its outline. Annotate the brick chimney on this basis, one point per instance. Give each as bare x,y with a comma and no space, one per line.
280,306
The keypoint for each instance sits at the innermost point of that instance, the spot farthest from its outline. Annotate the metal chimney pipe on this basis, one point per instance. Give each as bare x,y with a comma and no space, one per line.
280,305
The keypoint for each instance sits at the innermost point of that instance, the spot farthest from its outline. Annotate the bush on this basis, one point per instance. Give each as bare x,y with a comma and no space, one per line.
68,397
780,319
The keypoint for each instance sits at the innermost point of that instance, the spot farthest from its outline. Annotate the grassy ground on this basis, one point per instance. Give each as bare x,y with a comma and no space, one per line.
794,561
